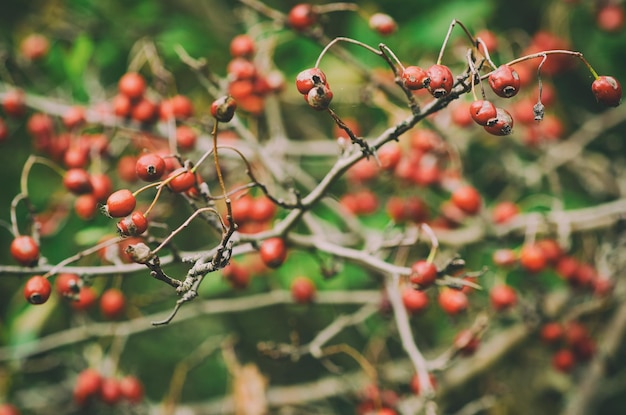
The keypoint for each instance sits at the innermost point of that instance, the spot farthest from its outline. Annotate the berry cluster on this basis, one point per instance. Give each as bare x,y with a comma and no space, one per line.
91,386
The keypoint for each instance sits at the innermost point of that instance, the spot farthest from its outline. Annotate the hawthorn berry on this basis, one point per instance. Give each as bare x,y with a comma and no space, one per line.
467,199
87,385
301,17
67,285
319,97
563,360
504,212
181,180
414,300
131,389
122,105
309,78
77,181
302,290
415,78
223,108
242,46
503,124
273,252
241,69
382,23
37,290
423,273
85,300
34,46
74,117
186,138
132,85
86,206
532,258
25,250
112,303
607,91
149,167
182,108
110,392
452,301
611,17
504,81
502,297
504,257
466,342
8,409
120,203
483,112
441,80
551,332
237,275
133,225
262,209
144,111
14,103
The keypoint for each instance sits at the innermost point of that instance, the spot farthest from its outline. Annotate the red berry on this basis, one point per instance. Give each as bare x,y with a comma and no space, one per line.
504,212
566,267
186,138
551,333
389,156
607,91
14,103
86,206
120,203
441,80
503,124
144,111
223,108
414,300
302,290
504,81
504,257
40,124
240,69
133,225
37,290
25,250
502,297
382,23
563,360
132,85
262,209
131,389
182,180
8,409
110,392
415,384
424,273
319,97
74,117
237,275
86,299
273,252
552,251
112,303
309,78
150,167
483,112
242,46
415,78
466,342
68,285
301,17
611,17
77,181
467,199
182,108
34,46
453,301
532,258
122,106
87,385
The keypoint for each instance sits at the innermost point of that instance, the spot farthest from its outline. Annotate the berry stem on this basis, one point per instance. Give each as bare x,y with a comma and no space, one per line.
355,140
485,52
348,40
367,367
220,179
434,243
80,255
30,162
543,54
447,38
16,200
184,225
335,7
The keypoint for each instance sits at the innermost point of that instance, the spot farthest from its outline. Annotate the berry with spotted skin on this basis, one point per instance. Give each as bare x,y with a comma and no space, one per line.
319,97
505,81
133,225
503,124
309,78
150,167
441,80
483,112
607,91
37,290
415,78
223,108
